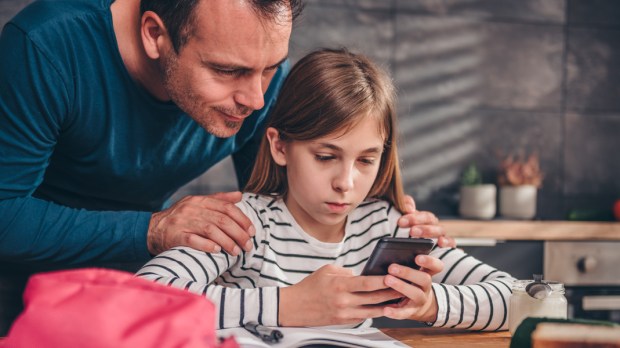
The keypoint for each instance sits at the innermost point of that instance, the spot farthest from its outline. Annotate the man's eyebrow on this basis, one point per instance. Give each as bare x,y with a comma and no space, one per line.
241,67
275,66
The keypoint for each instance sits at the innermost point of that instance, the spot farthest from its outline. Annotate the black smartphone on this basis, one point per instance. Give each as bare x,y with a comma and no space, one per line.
401,251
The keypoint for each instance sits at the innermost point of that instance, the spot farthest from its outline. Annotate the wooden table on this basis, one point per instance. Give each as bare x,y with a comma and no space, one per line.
449,338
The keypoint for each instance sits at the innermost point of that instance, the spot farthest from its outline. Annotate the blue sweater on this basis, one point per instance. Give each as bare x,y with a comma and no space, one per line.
85,153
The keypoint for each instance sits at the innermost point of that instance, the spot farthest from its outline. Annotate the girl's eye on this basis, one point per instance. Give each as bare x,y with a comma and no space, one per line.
323,158
367,161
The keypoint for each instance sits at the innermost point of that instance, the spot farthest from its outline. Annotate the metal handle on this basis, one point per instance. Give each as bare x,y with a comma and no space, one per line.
586,264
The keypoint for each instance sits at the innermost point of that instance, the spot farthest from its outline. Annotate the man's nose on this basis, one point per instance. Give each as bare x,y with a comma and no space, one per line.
250,94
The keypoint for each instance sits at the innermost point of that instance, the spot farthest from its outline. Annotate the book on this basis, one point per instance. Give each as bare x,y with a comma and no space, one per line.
298,337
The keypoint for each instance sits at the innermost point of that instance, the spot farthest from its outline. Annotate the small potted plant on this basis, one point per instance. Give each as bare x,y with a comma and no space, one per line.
477,200
519,180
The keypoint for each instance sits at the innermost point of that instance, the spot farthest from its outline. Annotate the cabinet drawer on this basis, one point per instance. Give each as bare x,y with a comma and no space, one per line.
583,263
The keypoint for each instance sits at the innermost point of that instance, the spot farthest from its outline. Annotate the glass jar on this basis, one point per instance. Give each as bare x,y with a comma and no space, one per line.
522,305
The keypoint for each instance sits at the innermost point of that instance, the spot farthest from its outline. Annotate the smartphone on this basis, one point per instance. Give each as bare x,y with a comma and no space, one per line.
401,251
396,250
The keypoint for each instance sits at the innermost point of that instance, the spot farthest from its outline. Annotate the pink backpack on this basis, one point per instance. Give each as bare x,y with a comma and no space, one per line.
107,308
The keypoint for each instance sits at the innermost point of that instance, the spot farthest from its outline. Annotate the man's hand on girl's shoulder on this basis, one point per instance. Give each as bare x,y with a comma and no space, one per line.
209,223
424,224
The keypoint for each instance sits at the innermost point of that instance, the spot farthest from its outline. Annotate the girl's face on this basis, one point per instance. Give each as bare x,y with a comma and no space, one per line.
330,176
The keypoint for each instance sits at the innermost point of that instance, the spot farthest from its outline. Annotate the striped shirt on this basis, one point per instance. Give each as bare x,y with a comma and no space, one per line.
470,294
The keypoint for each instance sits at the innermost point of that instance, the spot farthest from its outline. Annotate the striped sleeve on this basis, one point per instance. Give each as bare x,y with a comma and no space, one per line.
196,272
470,294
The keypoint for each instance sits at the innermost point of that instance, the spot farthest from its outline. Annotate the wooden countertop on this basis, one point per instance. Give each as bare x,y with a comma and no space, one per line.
449,338
532,230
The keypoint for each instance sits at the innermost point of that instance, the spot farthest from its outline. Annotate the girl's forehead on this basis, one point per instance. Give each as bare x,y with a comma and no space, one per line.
367,132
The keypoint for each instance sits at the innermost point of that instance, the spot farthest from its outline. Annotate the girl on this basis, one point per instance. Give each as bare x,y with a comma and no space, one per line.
325,187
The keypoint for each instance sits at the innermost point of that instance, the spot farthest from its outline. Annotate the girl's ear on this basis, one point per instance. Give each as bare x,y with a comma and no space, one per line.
154,34
276,146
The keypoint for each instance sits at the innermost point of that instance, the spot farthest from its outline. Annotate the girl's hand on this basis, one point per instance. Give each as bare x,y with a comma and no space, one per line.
332,295
424,224
419,302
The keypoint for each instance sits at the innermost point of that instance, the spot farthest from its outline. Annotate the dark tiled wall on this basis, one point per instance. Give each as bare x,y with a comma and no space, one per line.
477,78
482,78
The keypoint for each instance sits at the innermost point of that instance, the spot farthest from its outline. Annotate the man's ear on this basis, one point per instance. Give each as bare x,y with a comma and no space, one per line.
154,34
277,146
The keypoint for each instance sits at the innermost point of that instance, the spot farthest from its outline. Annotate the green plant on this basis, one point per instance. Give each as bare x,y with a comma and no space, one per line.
471,176
518,170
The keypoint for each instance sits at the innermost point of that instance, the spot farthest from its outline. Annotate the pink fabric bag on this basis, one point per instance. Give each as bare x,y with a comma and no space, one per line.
107,308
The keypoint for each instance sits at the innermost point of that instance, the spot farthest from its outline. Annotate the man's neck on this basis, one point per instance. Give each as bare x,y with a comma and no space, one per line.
142,69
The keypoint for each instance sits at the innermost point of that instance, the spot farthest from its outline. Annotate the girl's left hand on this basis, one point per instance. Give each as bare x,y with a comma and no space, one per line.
419,302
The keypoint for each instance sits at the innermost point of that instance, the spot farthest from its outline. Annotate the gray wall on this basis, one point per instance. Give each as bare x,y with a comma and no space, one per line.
477,78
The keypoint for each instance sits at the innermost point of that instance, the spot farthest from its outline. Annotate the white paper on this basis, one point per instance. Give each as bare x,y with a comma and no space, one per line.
299,337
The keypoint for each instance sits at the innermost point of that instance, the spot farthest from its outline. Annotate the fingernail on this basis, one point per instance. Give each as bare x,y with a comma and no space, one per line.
394,269
217,249
422,258
389,281
248,246
236,251
416,232
252,231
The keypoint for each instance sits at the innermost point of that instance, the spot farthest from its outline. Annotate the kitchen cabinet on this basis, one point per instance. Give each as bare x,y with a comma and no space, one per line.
581,255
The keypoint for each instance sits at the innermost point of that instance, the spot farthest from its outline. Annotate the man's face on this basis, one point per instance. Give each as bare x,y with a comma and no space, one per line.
221,74
329,177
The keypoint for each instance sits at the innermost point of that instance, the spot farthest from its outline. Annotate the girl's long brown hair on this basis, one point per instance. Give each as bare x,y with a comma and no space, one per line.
329,92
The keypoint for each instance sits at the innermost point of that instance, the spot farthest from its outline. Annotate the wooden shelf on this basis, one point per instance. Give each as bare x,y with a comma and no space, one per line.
532,230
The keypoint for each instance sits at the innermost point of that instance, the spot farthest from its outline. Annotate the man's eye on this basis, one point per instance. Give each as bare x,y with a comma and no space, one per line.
227,72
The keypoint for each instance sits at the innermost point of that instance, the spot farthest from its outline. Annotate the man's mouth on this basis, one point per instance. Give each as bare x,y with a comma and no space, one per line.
236,115
235,118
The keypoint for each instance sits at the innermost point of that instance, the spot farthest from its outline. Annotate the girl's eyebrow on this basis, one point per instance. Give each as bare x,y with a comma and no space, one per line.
370,150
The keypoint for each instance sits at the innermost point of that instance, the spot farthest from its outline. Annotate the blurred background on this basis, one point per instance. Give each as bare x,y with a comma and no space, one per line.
478,80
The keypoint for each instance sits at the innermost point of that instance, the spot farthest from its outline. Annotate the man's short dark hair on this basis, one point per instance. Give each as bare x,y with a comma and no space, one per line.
178,16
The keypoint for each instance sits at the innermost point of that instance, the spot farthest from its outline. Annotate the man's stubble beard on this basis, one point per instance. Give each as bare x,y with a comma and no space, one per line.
190,103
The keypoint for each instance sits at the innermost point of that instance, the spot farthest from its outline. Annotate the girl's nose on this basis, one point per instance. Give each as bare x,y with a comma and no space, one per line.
343,181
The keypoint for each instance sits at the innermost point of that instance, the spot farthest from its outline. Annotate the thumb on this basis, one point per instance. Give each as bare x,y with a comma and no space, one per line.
232,197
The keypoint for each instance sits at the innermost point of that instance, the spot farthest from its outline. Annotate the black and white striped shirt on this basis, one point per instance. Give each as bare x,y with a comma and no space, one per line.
470,294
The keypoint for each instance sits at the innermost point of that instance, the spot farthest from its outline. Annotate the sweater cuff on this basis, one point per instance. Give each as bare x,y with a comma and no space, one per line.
271,295
141,228
442,306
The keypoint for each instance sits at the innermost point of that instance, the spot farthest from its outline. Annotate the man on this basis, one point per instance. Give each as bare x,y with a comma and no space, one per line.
106,109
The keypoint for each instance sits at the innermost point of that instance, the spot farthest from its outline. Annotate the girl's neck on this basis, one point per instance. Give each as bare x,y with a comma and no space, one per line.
326,234
321,232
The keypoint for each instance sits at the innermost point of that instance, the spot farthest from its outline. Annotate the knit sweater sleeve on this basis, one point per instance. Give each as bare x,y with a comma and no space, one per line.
470,293
197,272
35,106
217,276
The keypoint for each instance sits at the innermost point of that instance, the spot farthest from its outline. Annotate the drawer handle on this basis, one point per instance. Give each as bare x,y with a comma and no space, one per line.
586,264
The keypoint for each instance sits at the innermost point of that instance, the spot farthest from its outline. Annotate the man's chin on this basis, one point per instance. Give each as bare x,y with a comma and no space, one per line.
226,130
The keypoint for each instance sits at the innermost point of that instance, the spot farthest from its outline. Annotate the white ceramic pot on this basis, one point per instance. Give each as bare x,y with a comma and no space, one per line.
478,201
518,202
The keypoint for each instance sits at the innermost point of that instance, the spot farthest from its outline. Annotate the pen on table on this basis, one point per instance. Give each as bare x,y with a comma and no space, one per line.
264,333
